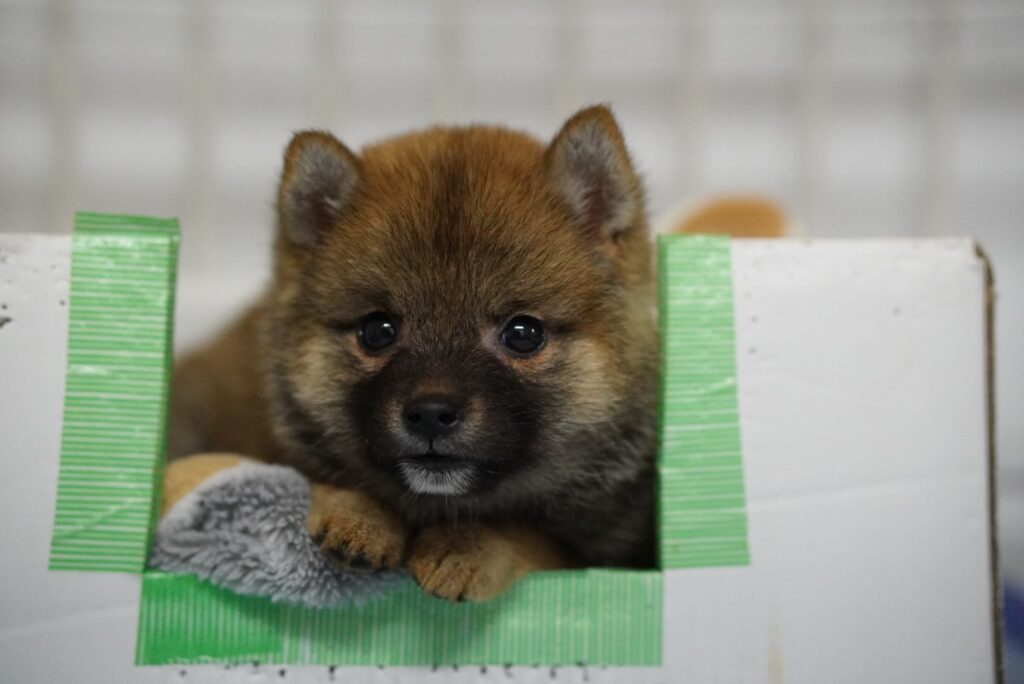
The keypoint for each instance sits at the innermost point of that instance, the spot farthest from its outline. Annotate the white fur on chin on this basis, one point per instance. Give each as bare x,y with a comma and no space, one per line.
456,480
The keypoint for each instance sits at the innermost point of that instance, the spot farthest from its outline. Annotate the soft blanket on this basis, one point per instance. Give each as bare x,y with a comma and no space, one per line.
244,529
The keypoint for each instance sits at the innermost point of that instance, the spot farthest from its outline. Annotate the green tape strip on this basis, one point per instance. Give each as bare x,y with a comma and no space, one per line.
703,519
596,617
115,399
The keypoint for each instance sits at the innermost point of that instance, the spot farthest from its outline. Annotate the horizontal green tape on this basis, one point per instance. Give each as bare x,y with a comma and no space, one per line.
593,617
702,502
119,352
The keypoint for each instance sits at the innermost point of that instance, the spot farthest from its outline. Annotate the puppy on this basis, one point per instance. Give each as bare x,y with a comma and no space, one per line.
458,347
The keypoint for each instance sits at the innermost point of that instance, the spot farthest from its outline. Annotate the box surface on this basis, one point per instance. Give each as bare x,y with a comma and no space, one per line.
862,395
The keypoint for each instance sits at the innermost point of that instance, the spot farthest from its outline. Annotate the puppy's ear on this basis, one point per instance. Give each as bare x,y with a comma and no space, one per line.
590,167
317,186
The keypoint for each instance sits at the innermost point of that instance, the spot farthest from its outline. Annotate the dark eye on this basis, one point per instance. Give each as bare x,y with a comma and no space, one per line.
523,334
377,331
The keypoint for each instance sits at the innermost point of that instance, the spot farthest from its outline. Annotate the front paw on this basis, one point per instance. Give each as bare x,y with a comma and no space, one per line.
353,530
476,563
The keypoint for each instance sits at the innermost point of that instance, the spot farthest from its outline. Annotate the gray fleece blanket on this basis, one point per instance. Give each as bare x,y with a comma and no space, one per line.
244,529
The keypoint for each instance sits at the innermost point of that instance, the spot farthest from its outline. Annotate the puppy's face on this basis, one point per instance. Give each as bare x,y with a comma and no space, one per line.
462,311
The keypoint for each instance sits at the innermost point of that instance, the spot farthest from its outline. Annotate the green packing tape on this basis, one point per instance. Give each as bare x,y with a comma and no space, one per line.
594,617
115,398
703,517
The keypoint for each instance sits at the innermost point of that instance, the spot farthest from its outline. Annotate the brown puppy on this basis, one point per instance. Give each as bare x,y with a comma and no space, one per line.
459,347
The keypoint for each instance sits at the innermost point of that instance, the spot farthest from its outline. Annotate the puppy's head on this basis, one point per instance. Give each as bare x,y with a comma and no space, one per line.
464,311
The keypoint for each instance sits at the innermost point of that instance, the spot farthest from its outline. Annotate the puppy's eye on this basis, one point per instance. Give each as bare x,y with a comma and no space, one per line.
523,334
377,331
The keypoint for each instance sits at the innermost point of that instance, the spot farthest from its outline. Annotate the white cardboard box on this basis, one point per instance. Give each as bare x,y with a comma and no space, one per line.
864,397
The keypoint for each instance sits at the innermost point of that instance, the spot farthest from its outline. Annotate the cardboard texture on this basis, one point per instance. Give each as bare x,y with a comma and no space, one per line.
863,418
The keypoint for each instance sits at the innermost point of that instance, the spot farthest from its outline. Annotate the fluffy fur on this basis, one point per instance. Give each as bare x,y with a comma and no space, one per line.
452,231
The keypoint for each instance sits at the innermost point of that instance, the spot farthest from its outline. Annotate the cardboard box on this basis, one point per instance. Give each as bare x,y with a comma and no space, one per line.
862,385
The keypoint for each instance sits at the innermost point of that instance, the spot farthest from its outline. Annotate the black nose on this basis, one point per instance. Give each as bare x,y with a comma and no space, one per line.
431,417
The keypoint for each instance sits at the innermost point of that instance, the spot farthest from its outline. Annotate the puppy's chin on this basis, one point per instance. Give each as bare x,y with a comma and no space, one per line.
438,476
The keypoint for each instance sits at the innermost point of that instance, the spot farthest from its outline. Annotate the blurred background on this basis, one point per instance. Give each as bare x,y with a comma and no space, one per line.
863,118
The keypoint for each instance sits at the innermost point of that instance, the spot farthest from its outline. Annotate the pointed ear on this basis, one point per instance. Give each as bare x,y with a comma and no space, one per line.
317,185
590,168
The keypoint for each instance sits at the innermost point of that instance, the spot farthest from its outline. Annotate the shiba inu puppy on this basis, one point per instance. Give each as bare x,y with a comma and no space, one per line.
458,347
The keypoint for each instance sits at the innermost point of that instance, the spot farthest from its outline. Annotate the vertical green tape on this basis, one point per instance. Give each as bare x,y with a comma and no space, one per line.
595,617
115,399
703,519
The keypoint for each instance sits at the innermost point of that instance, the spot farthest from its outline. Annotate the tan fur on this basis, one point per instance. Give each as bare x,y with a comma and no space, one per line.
219,401
477,562
738,216
353,529
453,230
185,474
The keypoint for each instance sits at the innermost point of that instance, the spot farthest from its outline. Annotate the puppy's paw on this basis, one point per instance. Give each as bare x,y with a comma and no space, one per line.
476,563
353,530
